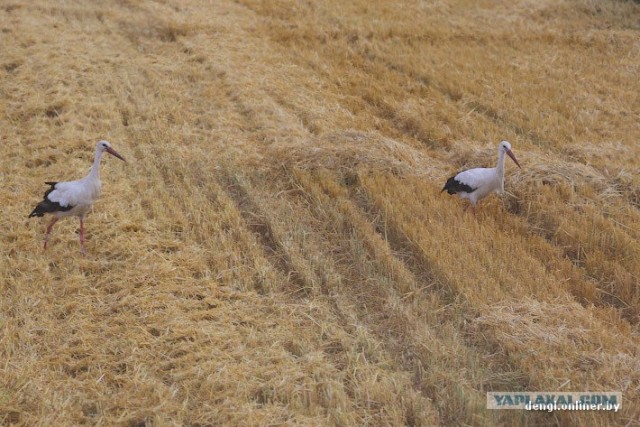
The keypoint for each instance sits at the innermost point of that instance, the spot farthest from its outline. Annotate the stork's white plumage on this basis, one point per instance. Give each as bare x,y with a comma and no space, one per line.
476,184
73,198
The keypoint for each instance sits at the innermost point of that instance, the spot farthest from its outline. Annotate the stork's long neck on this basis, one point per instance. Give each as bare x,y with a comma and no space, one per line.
500,166
94,174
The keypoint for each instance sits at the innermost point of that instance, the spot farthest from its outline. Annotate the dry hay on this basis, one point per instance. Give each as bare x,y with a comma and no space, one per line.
277,251
350,151
523,326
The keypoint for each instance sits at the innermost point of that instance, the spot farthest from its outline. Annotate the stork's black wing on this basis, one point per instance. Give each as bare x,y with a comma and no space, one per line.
46,205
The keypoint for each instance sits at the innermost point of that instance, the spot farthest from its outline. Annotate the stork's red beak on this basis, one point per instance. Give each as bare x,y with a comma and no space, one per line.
513,157
114,153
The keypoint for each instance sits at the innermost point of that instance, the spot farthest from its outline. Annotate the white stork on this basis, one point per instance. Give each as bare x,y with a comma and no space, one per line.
73,198
476,184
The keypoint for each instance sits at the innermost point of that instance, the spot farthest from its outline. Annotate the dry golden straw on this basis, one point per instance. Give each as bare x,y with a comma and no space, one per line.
276,250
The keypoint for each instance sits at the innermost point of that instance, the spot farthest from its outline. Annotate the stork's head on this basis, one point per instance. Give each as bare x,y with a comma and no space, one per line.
505,147
106,146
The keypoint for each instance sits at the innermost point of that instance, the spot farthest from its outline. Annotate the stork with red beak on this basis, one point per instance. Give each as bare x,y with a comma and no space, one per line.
73,198
476,184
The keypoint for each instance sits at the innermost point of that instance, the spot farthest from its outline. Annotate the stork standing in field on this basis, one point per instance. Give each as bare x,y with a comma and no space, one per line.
73,198
476,184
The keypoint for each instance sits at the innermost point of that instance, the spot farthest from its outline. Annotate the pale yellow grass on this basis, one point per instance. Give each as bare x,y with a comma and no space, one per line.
277,252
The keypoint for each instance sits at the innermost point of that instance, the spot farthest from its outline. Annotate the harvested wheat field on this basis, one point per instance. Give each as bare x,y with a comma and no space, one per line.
276,250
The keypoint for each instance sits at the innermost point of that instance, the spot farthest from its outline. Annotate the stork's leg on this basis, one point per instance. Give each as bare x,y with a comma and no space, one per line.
473,208
48,232
84,251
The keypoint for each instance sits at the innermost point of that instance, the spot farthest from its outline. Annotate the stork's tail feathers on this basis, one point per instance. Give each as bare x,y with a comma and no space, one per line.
37,211
46,206
450,186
